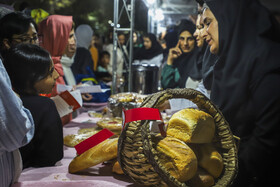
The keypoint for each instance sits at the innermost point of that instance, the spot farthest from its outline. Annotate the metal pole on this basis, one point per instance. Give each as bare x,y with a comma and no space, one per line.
149,23
132,4
115,44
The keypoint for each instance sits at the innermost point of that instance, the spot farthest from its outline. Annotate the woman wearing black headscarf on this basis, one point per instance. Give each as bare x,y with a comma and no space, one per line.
151,52
246,83
182,59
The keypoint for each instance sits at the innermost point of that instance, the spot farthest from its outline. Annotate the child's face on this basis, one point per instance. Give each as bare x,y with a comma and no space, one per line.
46,85
105,61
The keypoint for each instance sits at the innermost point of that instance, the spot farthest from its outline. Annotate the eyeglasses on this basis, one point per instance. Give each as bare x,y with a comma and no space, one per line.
27,39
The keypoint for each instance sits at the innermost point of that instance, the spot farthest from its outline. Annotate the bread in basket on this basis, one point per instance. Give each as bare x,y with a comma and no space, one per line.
139,159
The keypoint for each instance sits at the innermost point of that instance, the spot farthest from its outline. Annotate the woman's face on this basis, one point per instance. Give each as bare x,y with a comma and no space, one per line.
186,42
121,39
210,31
30,37
46,85
134,37
197,33
95,41
147,43
71,45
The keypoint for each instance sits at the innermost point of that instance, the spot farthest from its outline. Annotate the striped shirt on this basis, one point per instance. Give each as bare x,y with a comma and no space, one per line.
16,128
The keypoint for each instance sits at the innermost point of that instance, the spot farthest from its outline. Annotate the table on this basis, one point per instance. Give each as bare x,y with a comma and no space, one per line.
57,176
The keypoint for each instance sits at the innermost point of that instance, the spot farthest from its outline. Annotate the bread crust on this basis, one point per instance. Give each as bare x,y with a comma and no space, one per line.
177,158
209,159
191,126
102,152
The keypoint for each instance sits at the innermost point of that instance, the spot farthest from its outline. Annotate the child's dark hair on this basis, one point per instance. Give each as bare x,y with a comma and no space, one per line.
103,53
27,64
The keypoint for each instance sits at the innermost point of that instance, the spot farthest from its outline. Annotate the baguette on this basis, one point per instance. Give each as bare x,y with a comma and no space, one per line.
102,152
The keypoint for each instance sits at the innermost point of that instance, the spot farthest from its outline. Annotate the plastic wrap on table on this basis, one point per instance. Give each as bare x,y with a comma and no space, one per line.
127,100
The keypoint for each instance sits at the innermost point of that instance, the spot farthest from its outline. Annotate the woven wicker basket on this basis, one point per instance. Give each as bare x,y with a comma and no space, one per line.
139,159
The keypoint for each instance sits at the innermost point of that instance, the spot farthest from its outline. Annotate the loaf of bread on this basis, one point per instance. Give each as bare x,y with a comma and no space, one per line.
191,126
209,159
102,152
177,158
201,179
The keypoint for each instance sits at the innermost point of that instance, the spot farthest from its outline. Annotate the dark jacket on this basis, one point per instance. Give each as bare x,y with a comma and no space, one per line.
46,147
246,86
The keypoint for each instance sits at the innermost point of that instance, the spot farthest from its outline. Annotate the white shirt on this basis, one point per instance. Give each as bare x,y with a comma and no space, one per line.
16,129
179,104
157,60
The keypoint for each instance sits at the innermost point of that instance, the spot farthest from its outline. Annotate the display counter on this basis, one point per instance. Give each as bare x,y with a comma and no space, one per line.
58,176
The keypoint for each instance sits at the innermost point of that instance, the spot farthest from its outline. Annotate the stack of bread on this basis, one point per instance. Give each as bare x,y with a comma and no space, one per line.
112,124
126,100
187,152
104,151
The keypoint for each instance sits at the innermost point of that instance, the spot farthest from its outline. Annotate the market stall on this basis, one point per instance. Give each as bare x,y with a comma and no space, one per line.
103,149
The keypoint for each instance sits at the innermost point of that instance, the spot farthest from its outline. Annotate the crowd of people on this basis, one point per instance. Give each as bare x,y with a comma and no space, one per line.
231,54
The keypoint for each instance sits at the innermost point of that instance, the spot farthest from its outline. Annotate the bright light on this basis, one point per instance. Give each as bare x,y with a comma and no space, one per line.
159,15
150,12
151,1
161,29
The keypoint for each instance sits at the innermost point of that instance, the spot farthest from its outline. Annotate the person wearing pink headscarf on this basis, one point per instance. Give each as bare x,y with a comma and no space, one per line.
55,31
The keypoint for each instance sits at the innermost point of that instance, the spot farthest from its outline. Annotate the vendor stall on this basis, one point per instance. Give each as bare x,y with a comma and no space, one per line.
196,148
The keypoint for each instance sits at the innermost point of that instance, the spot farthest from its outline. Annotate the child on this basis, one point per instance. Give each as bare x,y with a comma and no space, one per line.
102,69
32,72
103,62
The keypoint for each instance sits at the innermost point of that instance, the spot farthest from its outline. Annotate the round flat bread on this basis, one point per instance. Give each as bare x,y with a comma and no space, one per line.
95,114
112,124
89,130
73,139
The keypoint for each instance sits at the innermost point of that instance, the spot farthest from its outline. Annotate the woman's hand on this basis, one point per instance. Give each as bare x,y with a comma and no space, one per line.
174,53
87,97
